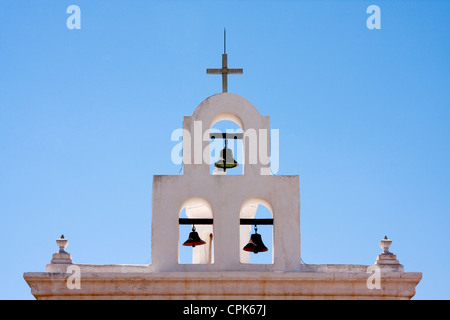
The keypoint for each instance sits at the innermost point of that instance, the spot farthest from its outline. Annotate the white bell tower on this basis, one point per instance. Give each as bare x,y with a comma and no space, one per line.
225,199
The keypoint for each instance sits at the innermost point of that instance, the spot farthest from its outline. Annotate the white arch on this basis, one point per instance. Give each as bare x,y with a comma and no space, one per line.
197,208
249,204
227,116
228,106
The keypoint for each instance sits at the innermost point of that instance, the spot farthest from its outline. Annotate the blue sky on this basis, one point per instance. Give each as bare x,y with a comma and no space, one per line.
86,118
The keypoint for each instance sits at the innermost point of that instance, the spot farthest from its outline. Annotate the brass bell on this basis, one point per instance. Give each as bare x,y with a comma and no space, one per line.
194,239
255,244
226,159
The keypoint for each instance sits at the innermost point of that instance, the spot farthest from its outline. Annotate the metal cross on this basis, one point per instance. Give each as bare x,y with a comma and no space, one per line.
224,71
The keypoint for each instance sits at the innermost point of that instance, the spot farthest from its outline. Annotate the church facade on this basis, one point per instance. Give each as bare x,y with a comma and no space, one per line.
221,209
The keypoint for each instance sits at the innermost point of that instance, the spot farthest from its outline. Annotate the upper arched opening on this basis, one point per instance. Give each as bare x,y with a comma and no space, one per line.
227,106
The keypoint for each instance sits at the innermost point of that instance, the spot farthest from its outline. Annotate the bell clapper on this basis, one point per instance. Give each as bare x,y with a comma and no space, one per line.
193,230
225,156
256,232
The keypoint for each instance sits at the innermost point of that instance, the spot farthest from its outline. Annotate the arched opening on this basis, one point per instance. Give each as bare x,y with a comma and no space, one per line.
256,209
196,208
216,145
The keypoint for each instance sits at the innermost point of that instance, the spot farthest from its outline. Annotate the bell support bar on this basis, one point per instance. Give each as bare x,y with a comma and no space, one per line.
220,135
199,221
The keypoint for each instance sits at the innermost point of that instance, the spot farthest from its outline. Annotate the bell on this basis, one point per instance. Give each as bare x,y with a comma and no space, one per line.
255,244
226,159
194,239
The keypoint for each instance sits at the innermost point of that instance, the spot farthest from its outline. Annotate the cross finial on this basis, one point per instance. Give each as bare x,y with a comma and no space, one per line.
224,71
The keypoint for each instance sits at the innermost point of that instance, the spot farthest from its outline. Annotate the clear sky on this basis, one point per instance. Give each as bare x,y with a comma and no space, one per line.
86,118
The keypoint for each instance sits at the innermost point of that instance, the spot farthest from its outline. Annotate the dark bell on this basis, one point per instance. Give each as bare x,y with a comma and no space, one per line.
255,244
226,159
194,239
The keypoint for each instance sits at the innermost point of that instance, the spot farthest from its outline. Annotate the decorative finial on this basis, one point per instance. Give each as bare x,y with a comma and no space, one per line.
386,258
62,244
385,244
